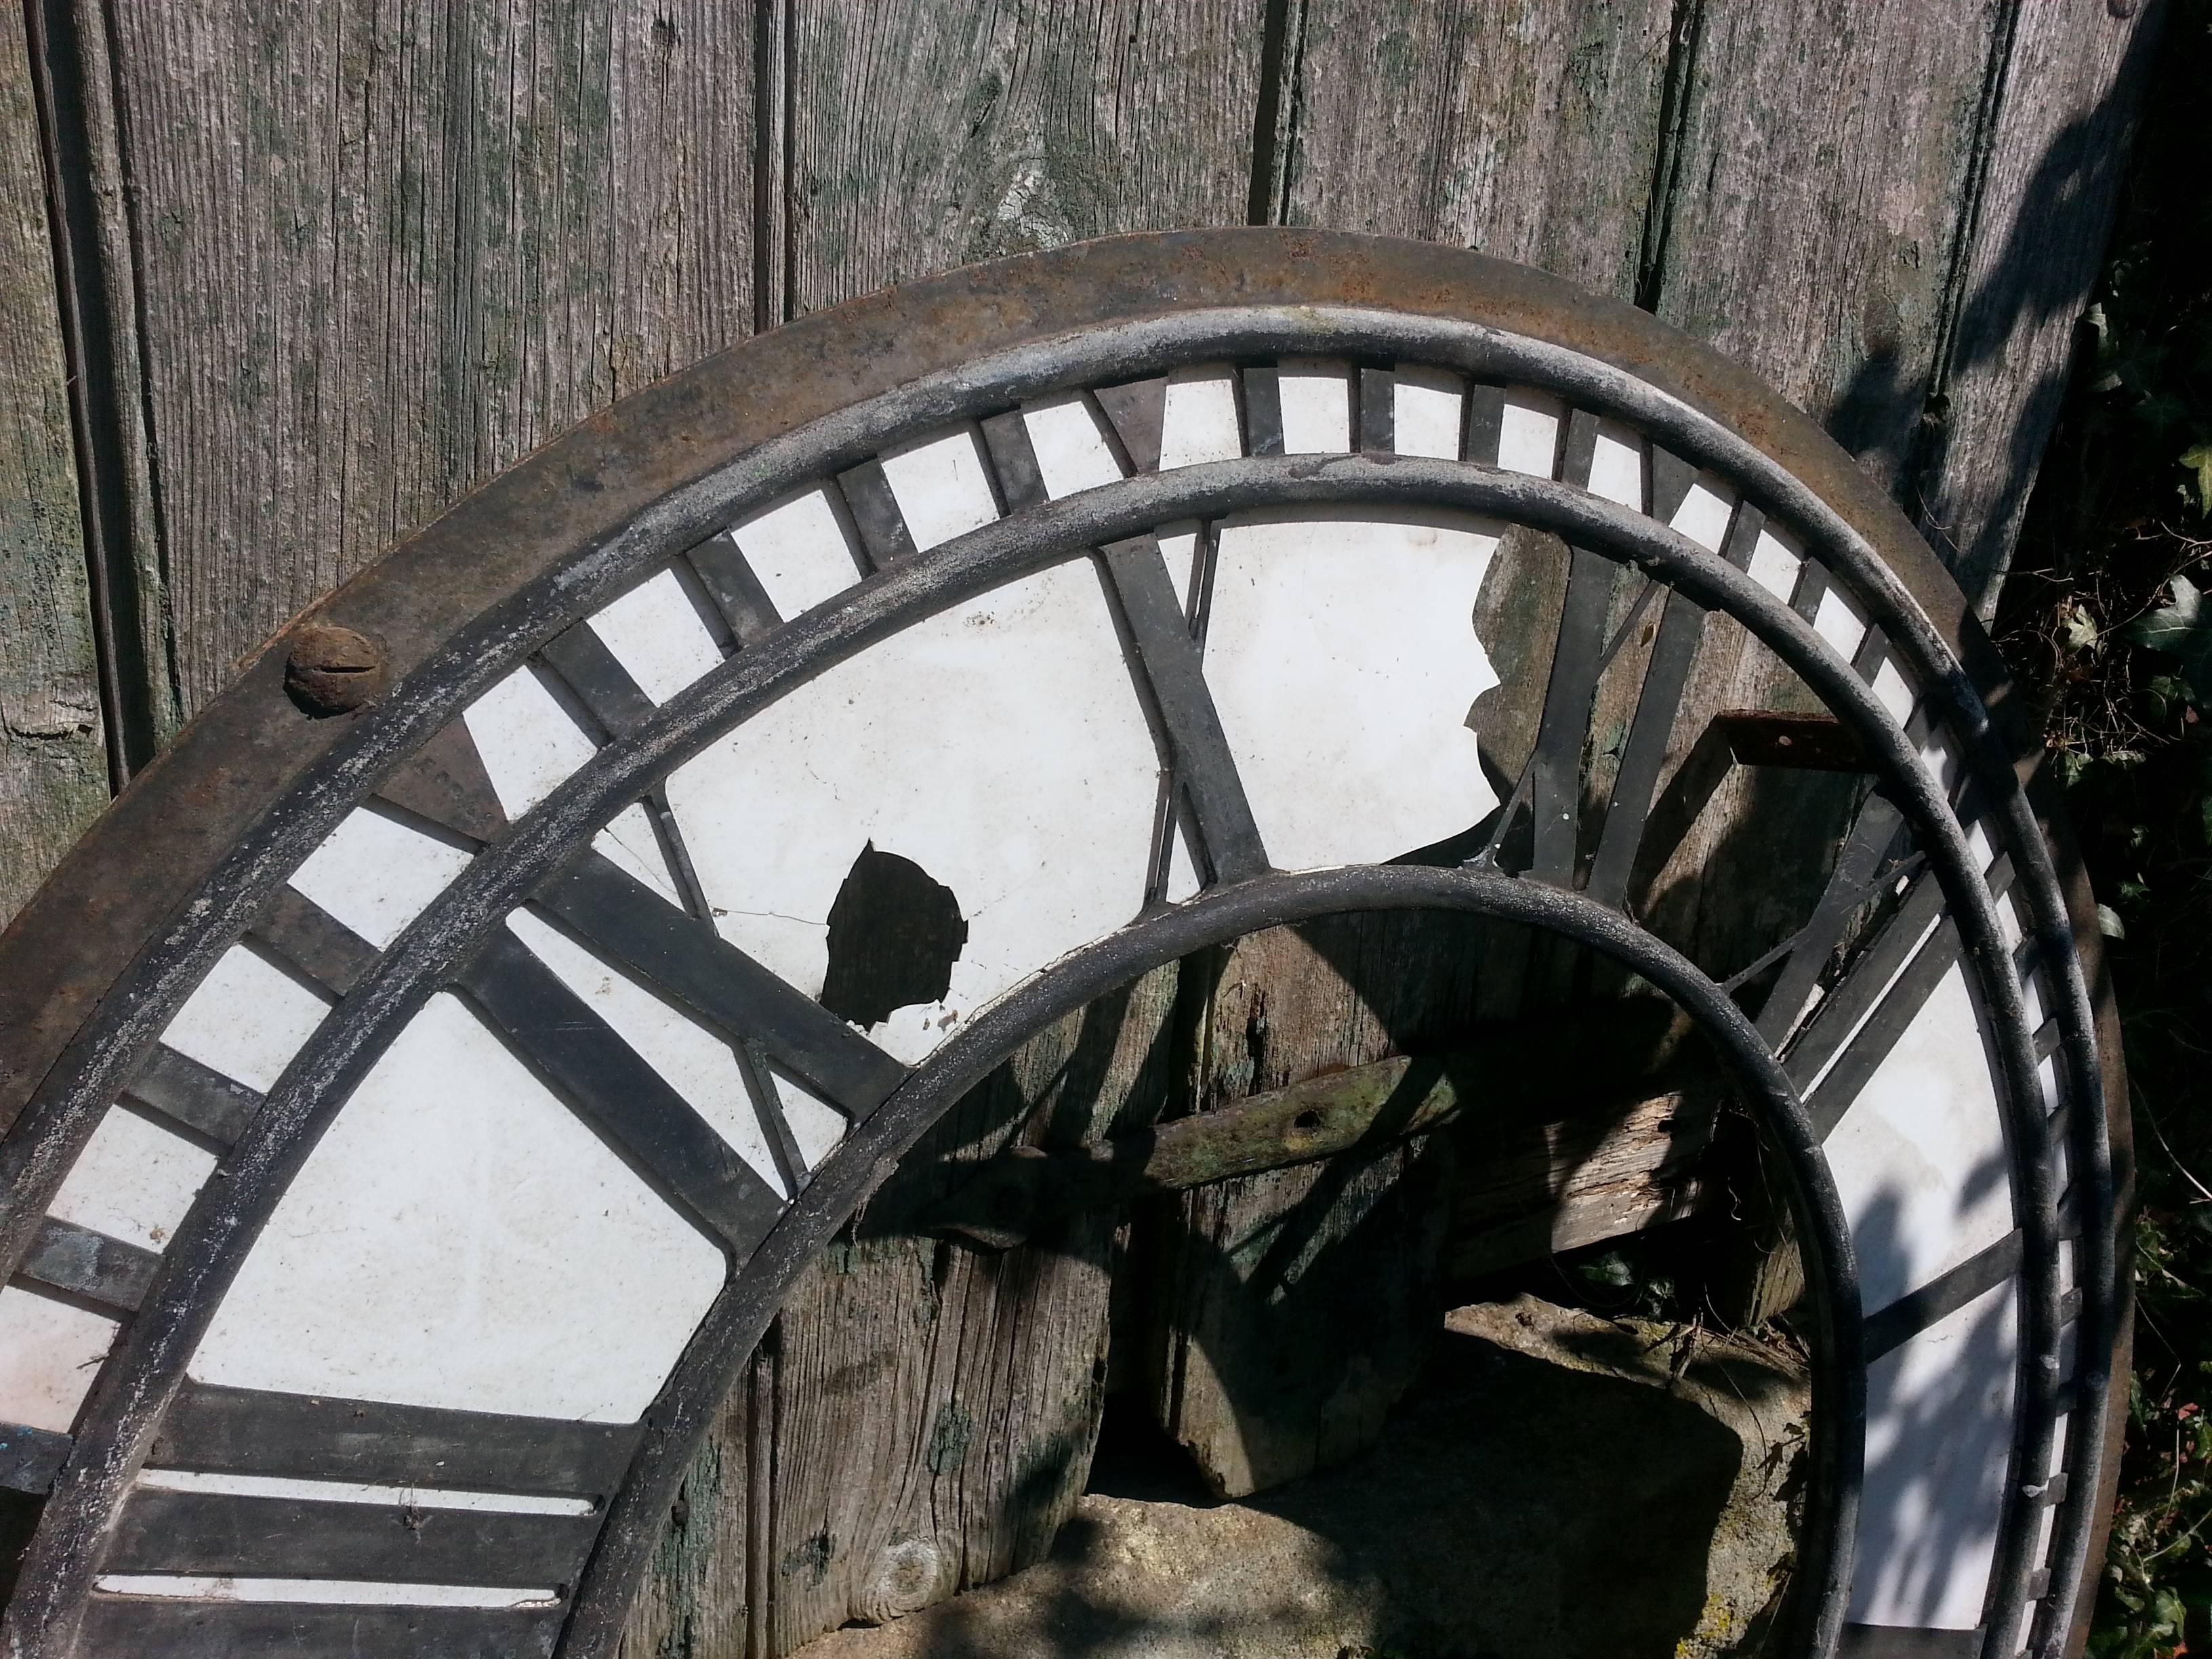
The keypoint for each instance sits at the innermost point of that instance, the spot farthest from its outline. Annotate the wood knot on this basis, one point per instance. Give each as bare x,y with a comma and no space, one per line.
908,1576
332,670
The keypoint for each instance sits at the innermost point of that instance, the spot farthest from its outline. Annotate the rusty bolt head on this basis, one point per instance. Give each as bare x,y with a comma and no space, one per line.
332,670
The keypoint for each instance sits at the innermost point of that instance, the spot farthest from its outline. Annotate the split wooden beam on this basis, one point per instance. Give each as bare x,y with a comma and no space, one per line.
1535,1182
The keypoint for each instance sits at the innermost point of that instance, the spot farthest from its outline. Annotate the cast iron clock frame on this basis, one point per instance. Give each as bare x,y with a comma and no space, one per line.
196,854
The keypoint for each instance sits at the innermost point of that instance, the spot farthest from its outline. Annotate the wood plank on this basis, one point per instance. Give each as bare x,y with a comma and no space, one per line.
1527,129
53,759
1286,1310
469,227
927,136
1807,230
935,1408
696,1594
2057,153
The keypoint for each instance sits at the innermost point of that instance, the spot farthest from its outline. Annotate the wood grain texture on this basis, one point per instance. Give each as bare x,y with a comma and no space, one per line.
1526,129
1825,165
391,247
2058,146
1288,1309
925,136
696,1597
935,1408
53,763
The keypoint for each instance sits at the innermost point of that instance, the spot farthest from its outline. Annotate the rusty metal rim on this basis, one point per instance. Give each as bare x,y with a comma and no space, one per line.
582,491
742,1313
208,1249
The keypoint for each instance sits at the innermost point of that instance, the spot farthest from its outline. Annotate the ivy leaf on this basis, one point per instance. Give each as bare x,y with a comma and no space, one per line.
2182,629
2199,459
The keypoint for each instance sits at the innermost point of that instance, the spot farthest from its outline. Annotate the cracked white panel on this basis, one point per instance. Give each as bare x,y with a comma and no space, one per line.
1071,450
246,1020
50,1353
375,875
1776,562
1342,656
356,1492
1428,409
1705,515
689,1059
999,745
134,1180
815,1127
1198,418
1617,464
1919,1158
461,1238
1528,429
800,550
529,746
942,487
1840,620
1316,404
1939,1430
325,1592
655,632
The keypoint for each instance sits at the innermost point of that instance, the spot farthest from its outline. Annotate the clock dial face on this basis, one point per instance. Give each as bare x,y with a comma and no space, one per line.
431,1135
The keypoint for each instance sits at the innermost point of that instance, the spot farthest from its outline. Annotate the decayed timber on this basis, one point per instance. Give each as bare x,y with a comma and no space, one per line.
53,762
1012,1196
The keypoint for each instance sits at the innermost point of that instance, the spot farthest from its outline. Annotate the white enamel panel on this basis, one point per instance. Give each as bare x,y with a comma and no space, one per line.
1704,516
351,1492
50,1353
459,1238
1343,658
1776,562
1893,690
657,634
527,742
1001,746
1918,1158
942,486
1617,464
1427,410
690,1058
134,1181
1198,421
246,1020
375,875
1071,450
1316,403
1528,432
1182,869
815,1127
1840,621
1939,1428
629,840
324,1592
1179,547
799,550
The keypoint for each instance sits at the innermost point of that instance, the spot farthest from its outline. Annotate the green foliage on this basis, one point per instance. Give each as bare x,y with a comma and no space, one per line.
2108,620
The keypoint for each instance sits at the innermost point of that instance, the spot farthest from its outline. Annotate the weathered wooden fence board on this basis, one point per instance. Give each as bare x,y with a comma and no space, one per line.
53,756
927,136
1527,129
389,248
